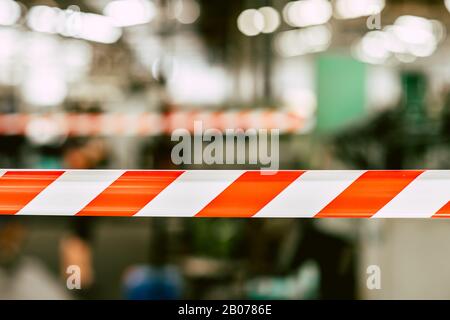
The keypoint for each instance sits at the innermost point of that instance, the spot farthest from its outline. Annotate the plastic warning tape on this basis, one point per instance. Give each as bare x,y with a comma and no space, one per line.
149,123
226,193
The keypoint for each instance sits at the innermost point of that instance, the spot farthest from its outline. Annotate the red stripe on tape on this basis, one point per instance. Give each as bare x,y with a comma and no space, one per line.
129,193
443,212
248,194
18,188
368,194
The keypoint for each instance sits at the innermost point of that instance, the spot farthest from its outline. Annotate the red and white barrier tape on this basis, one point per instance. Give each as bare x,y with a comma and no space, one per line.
148,123
226,193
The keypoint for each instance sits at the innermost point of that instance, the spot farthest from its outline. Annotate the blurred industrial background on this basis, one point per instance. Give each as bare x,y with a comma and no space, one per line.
100,84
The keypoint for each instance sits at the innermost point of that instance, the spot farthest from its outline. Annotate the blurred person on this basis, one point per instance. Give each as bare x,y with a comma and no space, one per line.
160,279
75,248
84,154
23,277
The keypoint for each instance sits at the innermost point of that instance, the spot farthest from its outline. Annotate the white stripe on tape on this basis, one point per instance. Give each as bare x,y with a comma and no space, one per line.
189,193
309,194
71,192
422,198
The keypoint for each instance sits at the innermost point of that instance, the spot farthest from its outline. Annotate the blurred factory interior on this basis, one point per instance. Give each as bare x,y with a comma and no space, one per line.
368,82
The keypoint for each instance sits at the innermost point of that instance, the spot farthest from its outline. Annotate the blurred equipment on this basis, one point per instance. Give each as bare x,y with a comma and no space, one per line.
393,139
303,262
147,283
